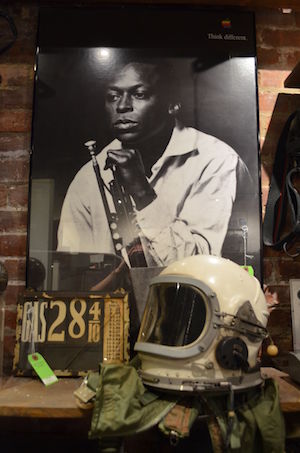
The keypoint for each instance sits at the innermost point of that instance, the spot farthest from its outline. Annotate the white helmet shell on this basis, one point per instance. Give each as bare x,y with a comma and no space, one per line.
203,325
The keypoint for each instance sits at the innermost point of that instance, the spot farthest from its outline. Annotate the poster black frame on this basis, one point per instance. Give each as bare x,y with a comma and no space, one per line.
183,35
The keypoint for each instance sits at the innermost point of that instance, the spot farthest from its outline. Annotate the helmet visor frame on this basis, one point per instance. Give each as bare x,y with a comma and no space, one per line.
179,317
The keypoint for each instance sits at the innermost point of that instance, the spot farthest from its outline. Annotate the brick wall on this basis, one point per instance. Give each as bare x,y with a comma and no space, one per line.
278,55
16,92
278,52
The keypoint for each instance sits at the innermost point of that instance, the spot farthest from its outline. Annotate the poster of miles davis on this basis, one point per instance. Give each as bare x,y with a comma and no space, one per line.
144,144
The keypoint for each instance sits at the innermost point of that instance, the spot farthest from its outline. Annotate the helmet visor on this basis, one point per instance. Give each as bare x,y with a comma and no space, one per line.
175,314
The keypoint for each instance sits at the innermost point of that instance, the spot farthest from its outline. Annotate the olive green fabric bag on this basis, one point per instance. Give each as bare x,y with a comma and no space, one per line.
123,406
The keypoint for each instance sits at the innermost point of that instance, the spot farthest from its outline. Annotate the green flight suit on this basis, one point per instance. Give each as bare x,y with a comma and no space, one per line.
124,406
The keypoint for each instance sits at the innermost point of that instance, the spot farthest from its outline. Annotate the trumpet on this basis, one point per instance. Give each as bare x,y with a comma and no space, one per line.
122,223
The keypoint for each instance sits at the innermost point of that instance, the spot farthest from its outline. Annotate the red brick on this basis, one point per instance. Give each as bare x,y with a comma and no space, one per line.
10,319
283,293
291,58
259,41
13,245
281,38
288,268
14,170
297,19
268,269
3,196
16,98
278,317
14,141
267,102
265,194
9,348
265,177
261,142
285,343
264,123
12,293
18,196
15,121
268,57
272,125
16,75
272,78
21,52
270,252
283,340
13,221
274,18
25,16
16,268
284,103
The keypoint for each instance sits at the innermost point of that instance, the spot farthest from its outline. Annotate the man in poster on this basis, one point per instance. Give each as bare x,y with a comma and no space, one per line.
183,183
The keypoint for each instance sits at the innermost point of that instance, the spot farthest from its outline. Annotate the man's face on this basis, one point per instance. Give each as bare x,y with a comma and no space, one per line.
135,103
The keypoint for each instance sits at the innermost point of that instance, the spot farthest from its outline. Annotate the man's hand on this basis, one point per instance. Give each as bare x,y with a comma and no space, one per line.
130,172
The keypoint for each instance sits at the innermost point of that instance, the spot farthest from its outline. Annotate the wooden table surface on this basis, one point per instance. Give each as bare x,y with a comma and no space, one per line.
28,397
289,390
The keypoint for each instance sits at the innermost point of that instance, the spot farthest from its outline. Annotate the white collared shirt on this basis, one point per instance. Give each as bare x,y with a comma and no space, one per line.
195,182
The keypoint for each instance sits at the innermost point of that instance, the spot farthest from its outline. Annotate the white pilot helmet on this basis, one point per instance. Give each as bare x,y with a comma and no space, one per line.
203,326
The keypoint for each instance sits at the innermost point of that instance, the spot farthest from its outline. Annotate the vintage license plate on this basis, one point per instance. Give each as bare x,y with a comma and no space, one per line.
73,332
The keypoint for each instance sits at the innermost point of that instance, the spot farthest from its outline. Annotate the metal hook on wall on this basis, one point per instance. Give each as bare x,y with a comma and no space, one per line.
292,255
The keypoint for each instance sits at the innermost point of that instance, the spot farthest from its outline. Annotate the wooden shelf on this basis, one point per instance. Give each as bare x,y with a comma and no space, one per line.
27,397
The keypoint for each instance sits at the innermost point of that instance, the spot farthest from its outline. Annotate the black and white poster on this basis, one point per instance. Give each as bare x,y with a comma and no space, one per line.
145,143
